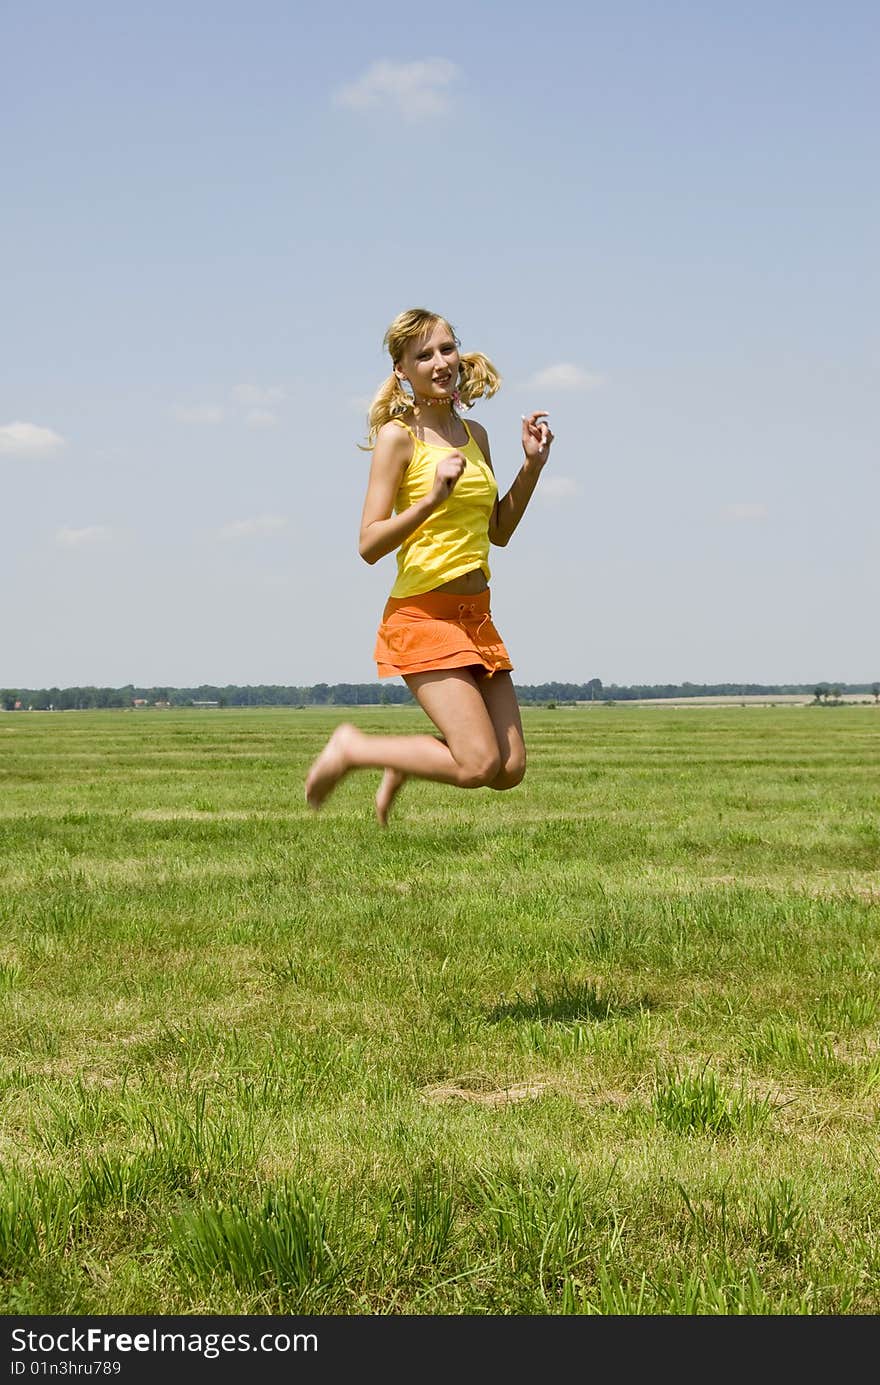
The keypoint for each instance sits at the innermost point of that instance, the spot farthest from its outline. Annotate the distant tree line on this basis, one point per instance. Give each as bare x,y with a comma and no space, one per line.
381,694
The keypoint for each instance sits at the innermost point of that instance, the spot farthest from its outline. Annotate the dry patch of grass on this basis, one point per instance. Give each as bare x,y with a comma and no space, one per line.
474,1089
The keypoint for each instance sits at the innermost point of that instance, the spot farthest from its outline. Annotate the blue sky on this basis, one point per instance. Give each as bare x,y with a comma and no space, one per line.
661,222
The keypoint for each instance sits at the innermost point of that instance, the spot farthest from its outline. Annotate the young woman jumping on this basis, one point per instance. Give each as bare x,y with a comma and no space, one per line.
432,496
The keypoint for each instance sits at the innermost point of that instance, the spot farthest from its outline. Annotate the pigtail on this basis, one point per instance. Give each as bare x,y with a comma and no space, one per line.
477,379
389,402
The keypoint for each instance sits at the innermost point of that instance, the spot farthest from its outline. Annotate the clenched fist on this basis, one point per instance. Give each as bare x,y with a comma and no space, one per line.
449,470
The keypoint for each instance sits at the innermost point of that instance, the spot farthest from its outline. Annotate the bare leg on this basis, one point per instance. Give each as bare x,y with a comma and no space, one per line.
348,749
500,698
393,781
467,757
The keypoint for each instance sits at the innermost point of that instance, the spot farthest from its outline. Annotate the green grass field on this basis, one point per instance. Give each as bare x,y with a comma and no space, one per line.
607,1043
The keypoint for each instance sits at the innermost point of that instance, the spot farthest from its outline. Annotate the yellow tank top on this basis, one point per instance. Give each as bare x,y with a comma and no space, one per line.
454,538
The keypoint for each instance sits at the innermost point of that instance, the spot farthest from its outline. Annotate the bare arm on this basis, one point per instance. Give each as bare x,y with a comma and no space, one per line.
381,530
509,509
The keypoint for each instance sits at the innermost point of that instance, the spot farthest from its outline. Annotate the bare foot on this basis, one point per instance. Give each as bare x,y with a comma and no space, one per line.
331,765
393,781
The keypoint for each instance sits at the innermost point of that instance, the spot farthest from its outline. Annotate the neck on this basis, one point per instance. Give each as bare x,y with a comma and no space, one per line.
441,410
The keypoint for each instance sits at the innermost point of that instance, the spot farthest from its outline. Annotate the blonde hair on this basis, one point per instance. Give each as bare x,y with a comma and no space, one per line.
477,378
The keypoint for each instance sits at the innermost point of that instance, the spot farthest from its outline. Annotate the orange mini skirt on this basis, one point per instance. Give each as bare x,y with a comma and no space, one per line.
438,630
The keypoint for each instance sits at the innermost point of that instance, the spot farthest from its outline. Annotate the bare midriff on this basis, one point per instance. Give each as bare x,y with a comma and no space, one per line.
467,585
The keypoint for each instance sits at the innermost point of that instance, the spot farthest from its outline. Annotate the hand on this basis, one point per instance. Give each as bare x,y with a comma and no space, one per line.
449,470
536,437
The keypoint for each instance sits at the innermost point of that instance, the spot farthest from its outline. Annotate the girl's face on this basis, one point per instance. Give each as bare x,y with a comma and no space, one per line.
431,363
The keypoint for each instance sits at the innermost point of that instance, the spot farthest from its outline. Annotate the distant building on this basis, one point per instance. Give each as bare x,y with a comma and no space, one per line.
204,703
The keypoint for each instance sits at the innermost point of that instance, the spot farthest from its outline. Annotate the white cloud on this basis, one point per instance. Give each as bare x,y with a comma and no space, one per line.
198,413
565,376
246,528
28,440
258,395
740,512
261,418
553,488
79,538
413,90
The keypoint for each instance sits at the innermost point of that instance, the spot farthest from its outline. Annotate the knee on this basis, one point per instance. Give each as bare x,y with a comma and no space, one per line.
510,774
480,770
